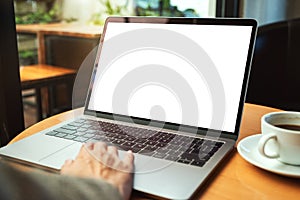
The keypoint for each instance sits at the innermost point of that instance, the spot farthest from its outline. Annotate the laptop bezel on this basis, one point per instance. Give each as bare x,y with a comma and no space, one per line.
175,20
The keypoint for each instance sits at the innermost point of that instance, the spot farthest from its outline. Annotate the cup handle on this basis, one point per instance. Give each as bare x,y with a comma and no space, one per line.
262,143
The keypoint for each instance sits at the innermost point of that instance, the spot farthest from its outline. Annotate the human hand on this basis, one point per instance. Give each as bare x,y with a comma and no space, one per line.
97,160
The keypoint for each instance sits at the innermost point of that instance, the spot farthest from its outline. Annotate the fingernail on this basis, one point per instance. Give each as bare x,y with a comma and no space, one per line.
129,151
89,145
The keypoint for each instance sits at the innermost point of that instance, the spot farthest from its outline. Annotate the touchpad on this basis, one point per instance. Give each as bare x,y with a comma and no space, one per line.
57,159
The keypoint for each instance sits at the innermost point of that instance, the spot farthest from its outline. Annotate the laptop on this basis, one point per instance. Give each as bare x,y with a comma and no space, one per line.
170,89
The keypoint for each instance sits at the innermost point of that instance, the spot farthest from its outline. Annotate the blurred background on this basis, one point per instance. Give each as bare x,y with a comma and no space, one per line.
62,33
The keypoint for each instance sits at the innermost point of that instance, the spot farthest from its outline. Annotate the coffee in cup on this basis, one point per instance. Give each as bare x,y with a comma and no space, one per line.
281,137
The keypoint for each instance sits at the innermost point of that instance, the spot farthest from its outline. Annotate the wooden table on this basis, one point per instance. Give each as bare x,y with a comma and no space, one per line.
62,29
45,76
236,179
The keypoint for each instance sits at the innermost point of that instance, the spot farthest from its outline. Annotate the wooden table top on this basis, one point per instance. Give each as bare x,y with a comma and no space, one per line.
236,179
65,29
40,73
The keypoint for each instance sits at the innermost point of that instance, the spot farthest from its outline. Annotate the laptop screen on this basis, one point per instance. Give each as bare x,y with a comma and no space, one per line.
182,73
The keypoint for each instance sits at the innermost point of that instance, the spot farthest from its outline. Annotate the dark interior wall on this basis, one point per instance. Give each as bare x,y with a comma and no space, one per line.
274,78
264,11
11,109
269,11
67,51
293,8
71,52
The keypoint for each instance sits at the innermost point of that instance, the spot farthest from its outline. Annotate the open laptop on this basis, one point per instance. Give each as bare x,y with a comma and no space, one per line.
170,89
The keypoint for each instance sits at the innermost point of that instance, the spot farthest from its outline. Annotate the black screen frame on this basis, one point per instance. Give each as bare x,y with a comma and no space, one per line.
175,20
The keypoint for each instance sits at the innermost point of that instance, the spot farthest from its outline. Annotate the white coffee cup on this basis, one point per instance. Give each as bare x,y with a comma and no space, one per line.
281,137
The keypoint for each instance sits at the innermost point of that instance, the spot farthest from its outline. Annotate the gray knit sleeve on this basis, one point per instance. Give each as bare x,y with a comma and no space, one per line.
17,185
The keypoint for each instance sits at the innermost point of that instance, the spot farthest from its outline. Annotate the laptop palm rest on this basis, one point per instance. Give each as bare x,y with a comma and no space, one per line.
39,147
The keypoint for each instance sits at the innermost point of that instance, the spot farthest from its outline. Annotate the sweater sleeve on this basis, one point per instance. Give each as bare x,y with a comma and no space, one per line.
16,184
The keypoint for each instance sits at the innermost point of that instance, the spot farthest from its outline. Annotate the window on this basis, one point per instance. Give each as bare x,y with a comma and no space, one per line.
176,8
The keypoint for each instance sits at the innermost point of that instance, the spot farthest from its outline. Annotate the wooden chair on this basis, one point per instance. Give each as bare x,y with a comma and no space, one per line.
274,78
11,108
41,76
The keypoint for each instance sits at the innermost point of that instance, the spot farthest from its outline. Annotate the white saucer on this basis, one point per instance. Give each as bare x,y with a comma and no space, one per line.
247,148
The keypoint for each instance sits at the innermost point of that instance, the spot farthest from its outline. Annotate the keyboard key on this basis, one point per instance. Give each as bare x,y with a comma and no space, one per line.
80,121
61,135
88,135
152,143
165,140
194,151
175,153
118,142
172,147
82,129
106,139
176,142
128,143
160,144
219,144
215,149
189,156
159,155
66,131
167,135
91,122
118,136
203,156
76,124
51,133
150,148
186,144
79,133
124,147
100,132
141,141
86,126
91,131
154,138
98,137
139,146
129,138
163,150
135,150
199,163
70,137
172,158
197,141
187,139
69,127
80,139
183,149
183,160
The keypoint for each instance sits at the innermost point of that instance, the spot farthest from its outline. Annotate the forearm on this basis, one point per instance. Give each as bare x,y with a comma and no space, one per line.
15,184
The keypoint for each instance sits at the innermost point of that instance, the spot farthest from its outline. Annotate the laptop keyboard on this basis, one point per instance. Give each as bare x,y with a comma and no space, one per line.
162,145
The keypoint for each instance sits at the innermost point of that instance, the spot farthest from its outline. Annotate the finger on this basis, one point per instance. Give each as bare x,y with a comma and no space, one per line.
100,146
68,162
89,145
128,159
83,152
66,165
112,150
